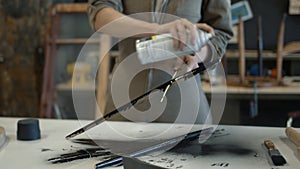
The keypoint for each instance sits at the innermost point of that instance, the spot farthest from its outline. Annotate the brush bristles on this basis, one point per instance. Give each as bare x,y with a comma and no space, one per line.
278,160
276,157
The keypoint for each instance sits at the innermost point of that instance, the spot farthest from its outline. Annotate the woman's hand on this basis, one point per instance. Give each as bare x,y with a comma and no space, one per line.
205,27
186,63
178,29
190,62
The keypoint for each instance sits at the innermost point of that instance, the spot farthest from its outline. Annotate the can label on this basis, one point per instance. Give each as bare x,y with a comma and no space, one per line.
160,47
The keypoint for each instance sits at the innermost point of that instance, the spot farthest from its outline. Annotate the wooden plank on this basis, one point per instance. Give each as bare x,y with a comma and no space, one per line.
71,8
250,54
267,54
75,41
292,47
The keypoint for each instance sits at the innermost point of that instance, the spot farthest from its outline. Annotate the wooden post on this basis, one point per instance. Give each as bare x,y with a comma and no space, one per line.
103,73
280,44
259,47
241,42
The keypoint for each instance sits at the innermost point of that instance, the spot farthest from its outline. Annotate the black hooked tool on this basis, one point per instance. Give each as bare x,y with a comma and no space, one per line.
163,87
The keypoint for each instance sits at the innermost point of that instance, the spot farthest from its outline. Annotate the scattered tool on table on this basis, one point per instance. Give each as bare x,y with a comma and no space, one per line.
81,154
274,153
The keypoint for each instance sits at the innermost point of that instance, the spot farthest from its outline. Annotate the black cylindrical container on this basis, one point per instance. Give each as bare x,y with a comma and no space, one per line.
28,129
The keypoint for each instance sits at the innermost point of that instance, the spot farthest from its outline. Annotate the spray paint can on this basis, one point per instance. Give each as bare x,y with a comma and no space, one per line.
160,47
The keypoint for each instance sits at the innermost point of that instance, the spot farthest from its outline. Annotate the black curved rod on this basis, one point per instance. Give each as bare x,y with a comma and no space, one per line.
201,68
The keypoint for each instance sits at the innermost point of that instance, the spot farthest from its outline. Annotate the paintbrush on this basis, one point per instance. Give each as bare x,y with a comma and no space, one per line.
274,153
82,154
201,68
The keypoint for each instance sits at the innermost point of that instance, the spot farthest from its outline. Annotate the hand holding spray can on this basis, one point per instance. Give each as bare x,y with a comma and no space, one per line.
160,47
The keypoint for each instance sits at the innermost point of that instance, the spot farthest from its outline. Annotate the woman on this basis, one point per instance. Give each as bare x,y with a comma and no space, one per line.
151,17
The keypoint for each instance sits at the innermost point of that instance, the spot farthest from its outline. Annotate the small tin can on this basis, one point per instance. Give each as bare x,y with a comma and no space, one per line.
160,47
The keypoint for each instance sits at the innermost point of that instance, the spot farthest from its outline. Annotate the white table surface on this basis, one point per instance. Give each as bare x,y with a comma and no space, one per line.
224,146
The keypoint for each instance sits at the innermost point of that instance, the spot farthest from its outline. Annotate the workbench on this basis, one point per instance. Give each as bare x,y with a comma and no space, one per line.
289,88
231,147
273,102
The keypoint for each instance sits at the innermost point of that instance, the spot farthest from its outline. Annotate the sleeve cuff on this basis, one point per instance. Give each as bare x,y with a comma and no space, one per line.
95,6
212,58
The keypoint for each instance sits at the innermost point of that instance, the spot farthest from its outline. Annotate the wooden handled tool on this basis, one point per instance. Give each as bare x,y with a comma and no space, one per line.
294,136
274,153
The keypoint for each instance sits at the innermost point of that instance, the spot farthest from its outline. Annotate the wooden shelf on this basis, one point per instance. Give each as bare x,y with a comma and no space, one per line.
75,41
290,88
252,54
69,87
71,8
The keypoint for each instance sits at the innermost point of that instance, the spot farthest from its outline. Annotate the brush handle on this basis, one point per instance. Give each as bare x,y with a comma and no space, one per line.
269,144
293,135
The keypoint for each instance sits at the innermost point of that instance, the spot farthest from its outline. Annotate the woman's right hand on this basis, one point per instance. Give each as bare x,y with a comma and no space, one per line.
178,29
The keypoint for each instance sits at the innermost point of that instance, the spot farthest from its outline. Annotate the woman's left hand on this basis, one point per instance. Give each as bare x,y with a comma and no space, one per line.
187,63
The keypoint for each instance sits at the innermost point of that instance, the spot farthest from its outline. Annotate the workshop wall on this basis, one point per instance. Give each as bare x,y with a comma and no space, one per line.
22,34
271,12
